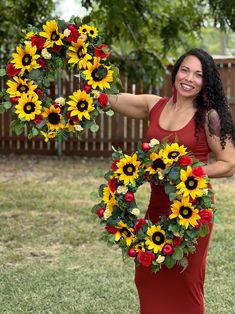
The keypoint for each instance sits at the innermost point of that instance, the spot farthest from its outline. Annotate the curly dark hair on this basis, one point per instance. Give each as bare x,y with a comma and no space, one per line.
211,97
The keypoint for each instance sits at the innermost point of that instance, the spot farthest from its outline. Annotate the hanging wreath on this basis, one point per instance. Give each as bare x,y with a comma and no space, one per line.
41,54
172,238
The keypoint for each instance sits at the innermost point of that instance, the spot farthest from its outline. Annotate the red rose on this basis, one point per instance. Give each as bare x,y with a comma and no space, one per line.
103,100
168,249
111,229
74,119
101,51
193,201
86,87
114,164
132,252
12,71
38,92
139,224
38,42
177,241
185,161
38,119
129,197
14,100
145,147
100,212
198,172
206,216
74,34
145,258
41,62
56,48
112,184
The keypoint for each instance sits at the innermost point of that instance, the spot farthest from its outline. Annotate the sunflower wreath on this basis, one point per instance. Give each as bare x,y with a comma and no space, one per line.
41,54
172,238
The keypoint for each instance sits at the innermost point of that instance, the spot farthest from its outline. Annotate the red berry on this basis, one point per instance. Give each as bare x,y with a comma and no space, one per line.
168,249
145,147
129,197
14,100
100,212
131,252
86,87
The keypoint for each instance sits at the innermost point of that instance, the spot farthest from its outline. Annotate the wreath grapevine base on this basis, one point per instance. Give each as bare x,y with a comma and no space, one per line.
172,238
40,56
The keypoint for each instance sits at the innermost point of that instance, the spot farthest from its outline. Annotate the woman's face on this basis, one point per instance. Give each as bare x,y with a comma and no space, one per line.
189,78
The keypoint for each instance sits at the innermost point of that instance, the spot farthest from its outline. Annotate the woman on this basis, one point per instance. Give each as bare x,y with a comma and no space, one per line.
198,115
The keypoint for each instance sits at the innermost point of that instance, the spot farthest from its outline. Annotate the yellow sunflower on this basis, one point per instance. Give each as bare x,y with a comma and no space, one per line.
127,169
53,118
49,135
92,32
84,29
52,34
19,86
25,58
70,126
185,211
80,105
109,197
140,247
28,107
124,232
157,163
190,185
156,238
173,152
78,54
98,75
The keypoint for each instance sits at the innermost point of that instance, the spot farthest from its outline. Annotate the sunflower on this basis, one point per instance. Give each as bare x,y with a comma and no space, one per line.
190,185
78,54
124,232
109,197
80,105
49,135
173,152
53,118
19,86
98,75
92,32
25,58
158,163
185,212
52,34
28,107
140,247
156,238
84,29
127,169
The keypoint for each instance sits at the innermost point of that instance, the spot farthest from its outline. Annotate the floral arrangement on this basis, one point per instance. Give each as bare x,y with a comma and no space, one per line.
33,66
172,238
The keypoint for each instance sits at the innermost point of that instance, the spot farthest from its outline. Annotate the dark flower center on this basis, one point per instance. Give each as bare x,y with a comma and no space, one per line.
84,30
173,154
71,122
125,232
29,107
191,183
82,105
99,74
26,59
158,238
185,212
54,36
129,169
54,118
80,52
91,32
22,88
158,163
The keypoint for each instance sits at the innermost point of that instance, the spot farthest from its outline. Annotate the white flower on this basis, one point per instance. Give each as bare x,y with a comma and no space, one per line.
153,142
96,93
160,259
176,234
83,37
135,211
78,127
205,191
67,32
46,55
107,213
60,101
160,175
28,43
122,189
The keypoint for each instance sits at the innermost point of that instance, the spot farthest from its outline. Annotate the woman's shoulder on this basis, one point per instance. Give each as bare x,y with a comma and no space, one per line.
155,101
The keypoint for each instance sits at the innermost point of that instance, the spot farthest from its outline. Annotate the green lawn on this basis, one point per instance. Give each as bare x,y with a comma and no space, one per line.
52,259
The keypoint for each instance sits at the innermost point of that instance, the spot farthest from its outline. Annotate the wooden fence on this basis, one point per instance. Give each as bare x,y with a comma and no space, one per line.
117,131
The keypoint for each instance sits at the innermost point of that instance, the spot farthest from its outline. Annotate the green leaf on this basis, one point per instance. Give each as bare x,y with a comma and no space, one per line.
174,173
109,113
7,104
94,127
35,75
178,253
204,230
17,126
169,188
169,261
2,72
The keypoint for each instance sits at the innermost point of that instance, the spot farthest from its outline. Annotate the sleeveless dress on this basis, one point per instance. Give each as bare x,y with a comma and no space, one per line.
171,291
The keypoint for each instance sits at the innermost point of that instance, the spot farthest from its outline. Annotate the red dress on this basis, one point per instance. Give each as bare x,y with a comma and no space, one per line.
171,291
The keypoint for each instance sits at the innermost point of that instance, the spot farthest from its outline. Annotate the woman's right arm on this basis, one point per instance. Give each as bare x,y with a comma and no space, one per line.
133,106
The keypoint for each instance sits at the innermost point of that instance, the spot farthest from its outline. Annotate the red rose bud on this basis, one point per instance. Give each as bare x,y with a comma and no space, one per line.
14,100
145,258
111,230
12,71
145,147
86,87
74,119
193,201
129,197
206,216
168,249
185,161
38,119
74,34
177,241
38,92
131,252
38,42
198,172
103,100
114,164
101,51
100,212
41,62
139,224
112,184
56,48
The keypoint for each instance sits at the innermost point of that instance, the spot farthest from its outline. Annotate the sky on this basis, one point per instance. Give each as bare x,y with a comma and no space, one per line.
66,8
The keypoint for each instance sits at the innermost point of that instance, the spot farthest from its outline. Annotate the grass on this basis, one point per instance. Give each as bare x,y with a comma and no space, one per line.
52,259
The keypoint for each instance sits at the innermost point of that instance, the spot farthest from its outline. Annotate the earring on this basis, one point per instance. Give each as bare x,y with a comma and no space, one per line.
174,94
